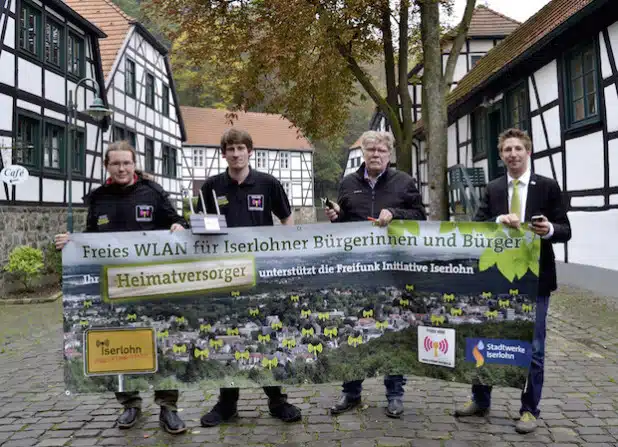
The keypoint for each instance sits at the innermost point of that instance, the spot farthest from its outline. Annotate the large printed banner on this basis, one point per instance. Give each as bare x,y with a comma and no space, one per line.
307,304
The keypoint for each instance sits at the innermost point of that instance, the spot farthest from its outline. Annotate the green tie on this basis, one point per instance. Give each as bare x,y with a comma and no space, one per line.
515,203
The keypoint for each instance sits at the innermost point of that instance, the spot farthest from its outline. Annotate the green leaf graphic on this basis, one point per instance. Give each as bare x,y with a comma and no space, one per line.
467,227
396,230
506,265
447,227
488,228
413,227
514,232
533,265
487,259
520,265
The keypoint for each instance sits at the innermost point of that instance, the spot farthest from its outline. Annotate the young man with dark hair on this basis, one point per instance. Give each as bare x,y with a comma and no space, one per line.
512,199
247,198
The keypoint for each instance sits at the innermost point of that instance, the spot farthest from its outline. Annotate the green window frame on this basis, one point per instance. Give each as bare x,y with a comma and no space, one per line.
169,161
54,147
132,138
79,152
479,133
165,103
75,55
582,102
150,90
54,36
118,133
517,108
129,78
149,160
27,144
30,29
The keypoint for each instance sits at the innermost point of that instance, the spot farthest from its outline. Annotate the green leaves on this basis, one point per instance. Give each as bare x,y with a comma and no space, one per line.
487,259
467,227
401,227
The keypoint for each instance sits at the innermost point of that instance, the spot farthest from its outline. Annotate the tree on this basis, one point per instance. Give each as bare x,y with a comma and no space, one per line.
436,86
302,58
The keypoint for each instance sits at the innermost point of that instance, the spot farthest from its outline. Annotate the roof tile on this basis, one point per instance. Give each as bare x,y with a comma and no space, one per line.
268,131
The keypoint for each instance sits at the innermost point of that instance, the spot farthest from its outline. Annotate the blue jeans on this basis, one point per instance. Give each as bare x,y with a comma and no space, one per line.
531,395
394,387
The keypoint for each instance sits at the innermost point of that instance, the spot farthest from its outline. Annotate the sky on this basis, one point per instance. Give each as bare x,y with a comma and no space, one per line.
520,10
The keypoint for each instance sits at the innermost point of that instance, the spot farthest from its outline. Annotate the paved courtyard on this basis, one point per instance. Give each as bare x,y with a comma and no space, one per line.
579,407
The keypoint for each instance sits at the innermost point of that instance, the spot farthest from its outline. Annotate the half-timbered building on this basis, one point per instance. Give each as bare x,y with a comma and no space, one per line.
487,29
141,92
46,49
279,149
556,77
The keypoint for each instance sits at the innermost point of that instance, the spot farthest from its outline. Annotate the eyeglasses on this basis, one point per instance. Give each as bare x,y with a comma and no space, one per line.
124,164
379,151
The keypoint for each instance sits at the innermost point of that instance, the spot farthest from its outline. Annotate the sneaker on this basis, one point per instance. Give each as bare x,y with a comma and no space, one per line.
171,422
471,408
527,423
282,409
219,413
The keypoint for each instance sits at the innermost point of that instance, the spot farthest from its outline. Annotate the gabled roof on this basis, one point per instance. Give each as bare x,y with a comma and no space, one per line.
533,35
486,22
268,131
116,24
110,18
551,16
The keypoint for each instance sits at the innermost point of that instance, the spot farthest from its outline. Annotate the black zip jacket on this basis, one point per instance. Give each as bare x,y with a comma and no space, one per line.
143,206
395,191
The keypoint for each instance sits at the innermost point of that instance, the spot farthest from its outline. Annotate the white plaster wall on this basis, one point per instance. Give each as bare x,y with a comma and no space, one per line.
584,158
593,242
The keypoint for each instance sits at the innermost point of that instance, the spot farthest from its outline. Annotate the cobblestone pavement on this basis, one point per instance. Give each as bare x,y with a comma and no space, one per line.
579,407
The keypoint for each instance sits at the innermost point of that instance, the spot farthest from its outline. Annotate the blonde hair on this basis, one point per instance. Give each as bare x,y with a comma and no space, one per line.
515,133
379,137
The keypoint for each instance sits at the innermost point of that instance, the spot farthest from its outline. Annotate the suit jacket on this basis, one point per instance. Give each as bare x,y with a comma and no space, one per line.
544,197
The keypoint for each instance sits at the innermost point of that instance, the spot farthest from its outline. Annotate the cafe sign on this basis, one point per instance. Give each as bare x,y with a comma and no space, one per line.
14,174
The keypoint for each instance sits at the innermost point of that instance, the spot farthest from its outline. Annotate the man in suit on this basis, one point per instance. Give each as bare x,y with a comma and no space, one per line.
511,200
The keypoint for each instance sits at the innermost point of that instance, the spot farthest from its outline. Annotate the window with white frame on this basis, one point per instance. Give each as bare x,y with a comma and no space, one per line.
198,158
287,187
261,160
284,161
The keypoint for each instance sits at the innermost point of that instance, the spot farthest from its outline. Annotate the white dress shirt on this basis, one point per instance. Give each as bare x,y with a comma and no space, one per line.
524,182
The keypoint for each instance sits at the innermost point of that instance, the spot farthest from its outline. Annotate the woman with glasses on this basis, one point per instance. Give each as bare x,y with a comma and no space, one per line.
128,201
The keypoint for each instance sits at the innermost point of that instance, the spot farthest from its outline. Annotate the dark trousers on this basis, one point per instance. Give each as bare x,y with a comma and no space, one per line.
394,387
531,395
163,398
230,395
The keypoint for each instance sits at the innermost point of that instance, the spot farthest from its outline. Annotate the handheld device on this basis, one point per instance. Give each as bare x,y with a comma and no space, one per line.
327,202
536,219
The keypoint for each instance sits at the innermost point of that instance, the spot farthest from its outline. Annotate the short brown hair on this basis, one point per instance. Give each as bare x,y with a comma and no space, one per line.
122,145
515,133
236,136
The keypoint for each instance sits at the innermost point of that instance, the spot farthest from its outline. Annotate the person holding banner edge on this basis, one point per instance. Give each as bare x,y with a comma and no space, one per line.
128,201
247,198
517,197
378,193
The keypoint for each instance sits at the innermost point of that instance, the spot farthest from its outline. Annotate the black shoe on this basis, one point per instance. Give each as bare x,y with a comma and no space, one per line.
471,408
344,404
128,418
171,422
282,409
394,408
221,412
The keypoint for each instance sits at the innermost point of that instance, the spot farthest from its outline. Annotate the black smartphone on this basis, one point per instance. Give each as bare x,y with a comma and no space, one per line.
327,202
536,219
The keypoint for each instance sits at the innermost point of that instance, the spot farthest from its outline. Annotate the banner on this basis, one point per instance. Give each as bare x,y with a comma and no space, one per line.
299,304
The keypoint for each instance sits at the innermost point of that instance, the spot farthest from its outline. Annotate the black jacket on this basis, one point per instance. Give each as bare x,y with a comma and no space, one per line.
143,206
544,197
395,191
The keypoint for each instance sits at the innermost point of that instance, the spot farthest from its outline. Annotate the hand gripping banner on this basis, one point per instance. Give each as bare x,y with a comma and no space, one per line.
302,304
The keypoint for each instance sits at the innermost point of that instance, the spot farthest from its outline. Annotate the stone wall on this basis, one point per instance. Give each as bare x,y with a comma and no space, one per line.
34,226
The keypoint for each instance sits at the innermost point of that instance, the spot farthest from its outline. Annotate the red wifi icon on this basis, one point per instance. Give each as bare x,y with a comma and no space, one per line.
441,346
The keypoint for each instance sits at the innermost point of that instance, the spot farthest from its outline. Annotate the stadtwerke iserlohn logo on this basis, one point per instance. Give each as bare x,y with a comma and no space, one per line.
485,351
